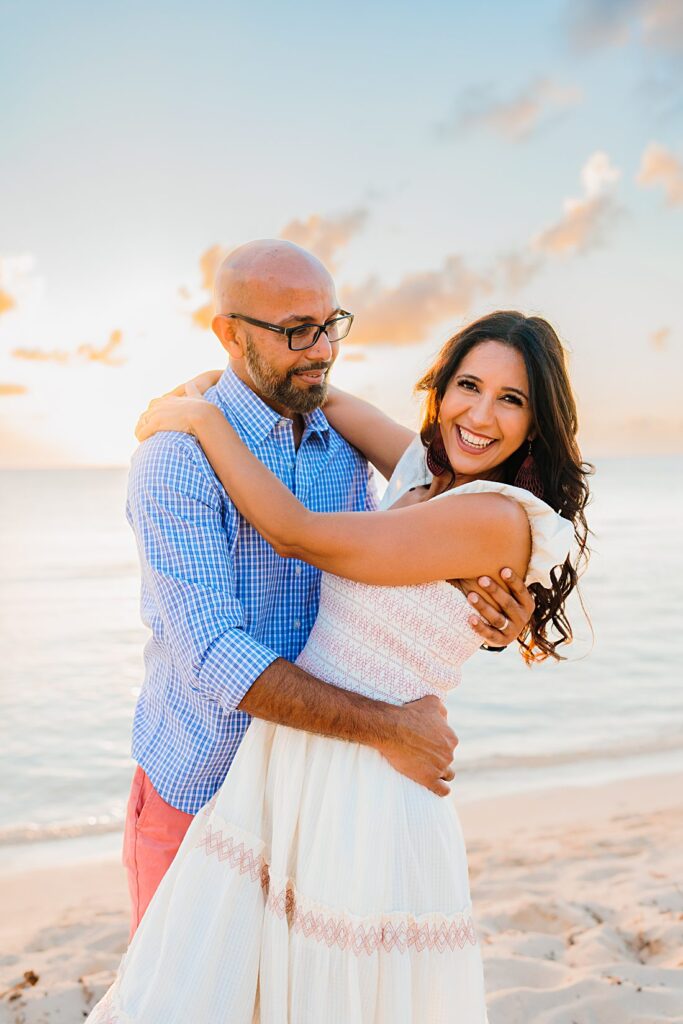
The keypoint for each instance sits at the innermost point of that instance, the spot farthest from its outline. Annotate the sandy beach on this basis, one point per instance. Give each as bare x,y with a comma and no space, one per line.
578,894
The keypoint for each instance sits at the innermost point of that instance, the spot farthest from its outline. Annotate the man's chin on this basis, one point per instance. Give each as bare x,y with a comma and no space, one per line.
307,397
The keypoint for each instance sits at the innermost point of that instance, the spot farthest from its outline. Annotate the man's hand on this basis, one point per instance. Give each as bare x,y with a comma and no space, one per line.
505,605
423,746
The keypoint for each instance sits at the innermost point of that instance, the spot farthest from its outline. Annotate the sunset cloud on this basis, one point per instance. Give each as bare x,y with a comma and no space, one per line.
39,355
516,119
405,313
585,220
19,283
596,23
8,390
6,302
518,269
659,339
325,236
105,355
659,168
209,262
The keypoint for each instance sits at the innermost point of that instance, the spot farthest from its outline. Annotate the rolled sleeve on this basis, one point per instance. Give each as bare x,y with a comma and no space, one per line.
176,511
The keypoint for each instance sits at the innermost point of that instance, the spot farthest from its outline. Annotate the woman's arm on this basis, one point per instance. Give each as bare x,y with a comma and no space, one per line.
381,440
436,540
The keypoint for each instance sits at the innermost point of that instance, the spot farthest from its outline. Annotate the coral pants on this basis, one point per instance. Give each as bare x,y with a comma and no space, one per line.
153,833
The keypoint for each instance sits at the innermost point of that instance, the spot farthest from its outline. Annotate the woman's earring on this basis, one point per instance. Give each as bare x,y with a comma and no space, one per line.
528,476
437,459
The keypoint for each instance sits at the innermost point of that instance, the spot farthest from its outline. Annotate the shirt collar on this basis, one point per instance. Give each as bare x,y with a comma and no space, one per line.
251,417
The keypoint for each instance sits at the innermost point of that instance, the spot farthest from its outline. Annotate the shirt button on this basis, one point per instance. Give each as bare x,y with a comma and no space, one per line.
297,623
297,571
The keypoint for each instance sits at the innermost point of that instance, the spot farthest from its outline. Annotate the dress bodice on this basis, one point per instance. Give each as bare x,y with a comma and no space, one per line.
400,643
394,644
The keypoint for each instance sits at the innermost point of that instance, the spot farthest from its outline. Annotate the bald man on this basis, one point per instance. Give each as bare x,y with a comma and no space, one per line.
228,616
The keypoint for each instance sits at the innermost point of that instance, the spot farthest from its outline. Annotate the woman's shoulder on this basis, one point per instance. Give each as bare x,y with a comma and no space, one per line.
411,471
552,536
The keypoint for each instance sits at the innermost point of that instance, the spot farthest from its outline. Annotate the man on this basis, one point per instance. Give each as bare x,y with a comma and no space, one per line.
228,616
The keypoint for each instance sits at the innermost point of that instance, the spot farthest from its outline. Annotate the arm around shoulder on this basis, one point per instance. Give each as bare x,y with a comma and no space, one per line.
449,537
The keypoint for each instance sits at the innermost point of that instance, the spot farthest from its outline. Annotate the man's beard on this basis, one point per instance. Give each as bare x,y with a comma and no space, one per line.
280,388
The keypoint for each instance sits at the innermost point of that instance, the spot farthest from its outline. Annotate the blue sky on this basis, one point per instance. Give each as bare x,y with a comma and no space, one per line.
137,136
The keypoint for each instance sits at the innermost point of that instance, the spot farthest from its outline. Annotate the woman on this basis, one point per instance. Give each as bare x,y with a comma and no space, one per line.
320,884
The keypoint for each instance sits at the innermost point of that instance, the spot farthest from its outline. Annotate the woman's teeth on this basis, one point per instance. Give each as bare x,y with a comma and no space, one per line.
474,440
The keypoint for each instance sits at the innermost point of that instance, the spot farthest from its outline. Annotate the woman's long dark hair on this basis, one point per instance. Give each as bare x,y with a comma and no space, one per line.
555,423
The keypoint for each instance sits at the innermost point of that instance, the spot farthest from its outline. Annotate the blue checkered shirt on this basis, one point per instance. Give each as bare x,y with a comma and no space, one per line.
221,605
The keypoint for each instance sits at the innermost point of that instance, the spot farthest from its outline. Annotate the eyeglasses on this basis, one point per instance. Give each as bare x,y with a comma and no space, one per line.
306,335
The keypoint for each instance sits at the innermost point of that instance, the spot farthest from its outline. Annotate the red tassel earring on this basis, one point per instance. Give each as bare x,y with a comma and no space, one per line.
437,459
528,476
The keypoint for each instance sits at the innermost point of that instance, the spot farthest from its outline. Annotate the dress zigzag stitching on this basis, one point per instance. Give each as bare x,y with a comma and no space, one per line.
394,933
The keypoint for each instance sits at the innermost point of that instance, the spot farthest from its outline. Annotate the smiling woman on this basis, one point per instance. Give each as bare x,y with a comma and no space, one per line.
500,406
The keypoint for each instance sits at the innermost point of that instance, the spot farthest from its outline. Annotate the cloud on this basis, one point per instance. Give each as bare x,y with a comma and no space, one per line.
405,313
325,236
19,284
7,390
518,269
516,119
105,355
660,168
6,302
597,23
662,23
202,304
659,339
585,220
39,355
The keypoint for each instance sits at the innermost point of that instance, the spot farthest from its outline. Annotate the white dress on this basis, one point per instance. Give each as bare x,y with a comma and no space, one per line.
319,884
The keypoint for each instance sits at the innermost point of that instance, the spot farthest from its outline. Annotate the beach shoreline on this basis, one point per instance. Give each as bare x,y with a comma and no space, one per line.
577,894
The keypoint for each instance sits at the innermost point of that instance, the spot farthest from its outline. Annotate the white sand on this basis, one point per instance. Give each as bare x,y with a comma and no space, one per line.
578,894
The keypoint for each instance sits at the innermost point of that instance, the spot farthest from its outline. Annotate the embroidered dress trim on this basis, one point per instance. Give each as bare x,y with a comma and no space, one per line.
398,932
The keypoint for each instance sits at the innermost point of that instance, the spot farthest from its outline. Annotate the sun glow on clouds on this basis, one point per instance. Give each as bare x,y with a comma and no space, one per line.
658,23
106,355
659,168
518,119
407,312
659,339
585,220
325,236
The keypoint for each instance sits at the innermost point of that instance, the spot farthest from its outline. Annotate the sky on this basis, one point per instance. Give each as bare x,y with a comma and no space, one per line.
443,159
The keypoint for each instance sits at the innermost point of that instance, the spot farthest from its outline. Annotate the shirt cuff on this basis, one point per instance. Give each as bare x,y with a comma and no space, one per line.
232,665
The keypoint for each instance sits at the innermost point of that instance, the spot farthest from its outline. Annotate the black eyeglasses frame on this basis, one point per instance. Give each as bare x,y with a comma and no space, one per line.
289,331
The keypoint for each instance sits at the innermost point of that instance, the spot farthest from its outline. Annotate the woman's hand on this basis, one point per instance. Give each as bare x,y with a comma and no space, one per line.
201,383
183,411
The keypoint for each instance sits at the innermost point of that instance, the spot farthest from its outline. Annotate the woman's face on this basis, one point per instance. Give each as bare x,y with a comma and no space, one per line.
485,414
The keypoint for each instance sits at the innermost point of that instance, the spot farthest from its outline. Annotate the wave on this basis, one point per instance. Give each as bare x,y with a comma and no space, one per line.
14,835
629,750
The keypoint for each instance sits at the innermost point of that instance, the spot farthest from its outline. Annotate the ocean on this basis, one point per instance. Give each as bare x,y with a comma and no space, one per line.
72,643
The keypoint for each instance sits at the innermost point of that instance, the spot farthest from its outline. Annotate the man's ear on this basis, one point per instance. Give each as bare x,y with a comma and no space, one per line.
225,331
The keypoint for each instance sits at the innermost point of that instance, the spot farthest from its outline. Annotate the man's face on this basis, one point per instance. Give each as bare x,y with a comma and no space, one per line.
294,382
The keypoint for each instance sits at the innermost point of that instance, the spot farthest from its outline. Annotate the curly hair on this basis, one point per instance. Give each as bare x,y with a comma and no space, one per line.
561,469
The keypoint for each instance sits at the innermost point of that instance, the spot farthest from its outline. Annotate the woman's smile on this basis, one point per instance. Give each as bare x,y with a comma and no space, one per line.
472,442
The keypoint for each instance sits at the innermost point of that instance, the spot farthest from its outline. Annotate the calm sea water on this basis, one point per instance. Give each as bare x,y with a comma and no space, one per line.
72,642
